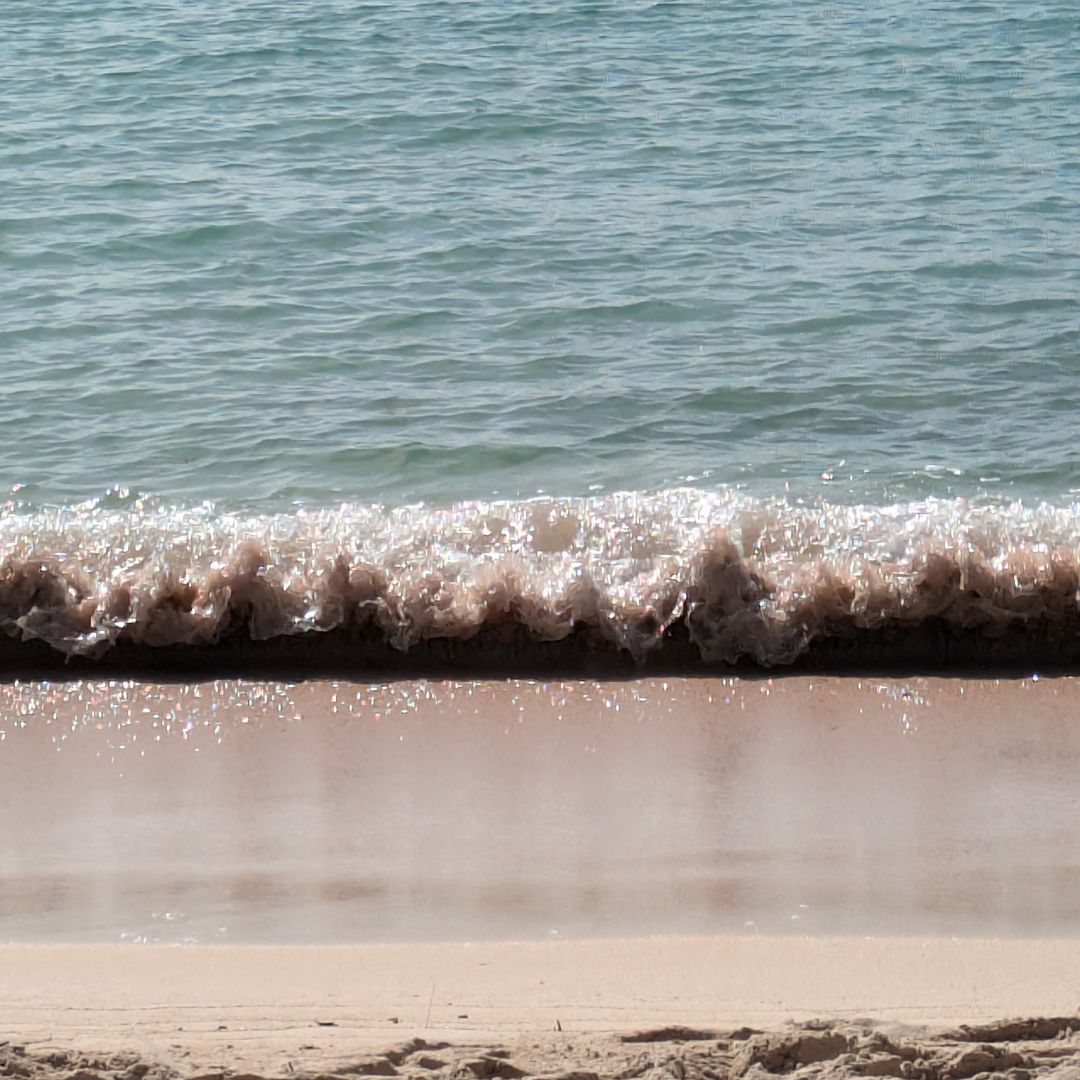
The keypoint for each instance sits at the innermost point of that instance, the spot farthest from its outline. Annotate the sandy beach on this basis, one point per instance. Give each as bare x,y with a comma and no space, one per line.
278,879
649,1006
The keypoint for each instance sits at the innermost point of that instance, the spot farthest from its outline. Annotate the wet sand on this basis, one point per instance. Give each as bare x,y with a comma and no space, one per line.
418,811
480,864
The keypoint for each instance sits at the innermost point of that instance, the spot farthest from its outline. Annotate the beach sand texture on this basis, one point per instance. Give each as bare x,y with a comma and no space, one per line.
662,1007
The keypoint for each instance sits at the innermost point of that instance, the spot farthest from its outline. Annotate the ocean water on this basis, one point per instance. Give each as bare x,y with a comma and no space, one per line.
790,290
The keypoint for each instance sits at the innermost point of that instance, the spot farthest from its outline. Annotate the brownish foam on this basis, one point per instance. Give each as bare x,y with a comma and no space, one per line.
675,581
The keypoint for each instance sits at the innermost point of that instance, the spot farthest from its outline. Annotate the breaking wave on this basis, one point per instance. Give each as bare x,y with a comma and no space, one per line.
735,579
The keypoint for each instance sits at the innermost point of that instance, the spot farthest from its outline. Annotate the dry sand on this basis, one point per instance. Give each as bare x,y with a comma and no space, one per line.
835,1006
822,841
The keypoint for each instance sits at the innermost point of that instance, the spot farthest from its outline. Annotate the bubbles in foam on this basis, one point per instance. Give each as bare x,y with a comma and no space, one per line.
741,578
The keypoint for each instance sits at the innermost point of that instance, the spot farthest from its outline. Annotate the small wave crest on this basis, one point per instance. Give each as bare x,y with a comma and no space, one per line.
739,579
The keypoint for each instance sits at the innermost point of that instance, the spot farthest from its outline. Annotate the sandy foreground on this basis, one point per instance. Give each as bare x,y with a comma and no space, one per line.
606,879
670,1007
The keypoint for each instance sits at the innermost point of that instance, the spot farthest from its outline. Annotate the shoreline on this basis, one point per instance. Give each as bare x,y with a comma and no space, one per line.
313,1010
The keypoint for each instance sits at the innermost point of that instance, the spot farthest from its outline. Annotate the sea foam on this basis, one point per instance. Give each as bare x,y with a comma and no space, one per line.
741,579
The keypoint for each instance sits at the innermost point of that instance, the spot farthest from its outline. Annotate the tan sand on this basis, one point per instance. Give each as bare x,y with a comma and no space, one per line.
549,1007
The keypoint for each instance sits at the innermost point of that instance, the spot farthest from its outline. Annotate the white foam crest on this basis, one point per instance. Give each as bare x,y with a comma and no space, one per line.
748,577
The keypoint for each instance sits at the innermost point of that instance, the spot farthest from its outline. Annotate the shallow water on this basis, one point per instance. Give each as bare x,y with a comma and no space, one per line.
280,253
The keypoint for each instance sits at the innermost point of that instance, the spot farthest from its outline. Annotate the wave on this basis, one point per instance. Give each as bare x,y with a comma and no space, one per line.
712,578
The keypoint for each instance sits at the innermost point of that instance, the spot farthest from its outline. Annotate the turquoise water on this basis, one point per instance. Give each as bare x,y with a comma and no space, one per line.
268,253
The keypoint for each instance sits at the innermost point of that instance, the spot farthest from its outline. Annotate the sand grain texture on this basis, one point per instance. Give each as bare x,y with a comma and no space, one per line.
923,1009
821,1049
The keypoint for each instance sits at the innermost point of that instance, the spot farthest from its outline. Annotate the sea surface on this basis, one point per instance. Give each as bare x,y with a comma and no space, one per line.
290,290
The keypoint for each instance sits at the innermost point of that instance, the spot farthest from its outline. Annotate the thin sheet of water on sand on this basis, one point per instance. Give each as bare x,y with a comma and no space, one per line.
343,812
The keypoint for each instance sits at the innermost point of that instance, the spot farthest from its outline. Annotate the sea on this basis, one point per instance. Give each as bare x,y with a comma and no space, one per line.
753,324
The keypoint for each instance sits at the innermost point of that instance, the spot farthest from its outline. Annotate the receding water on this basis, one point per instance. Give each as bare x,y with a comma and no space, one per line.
262,253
